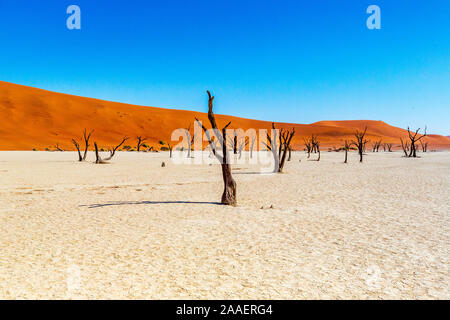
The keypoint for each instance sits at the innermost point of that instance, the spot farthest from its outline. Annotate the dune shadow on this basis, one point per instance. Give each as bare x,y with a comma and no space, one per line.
123,203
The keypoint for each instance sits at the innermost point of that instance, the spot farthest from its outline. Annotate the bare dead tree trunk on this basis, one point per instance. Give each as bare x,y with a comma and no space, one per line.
251,147
389,147
113,150
315,145
424,145
57,148
170,150
307,143
347,146
405,147
98,159
80,158
290,154
86,142
229,192
360,143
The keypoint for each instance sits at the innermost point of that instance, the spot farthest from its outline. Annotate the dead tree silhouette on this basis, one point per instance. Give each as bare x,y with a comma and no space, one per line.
347,145
405,146
229,192
140,142
279,141
315,145
424,145
308,146
360,142
414,138
86,137
190,139
112,151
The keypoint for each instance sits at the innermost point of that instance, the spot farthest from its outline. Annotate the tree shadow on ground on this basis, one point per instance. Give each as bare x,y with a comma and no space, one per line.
123,203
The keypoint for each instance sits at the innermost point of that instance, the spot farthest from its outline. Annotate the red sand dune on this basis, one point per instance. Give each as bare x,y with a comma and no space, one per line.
35,118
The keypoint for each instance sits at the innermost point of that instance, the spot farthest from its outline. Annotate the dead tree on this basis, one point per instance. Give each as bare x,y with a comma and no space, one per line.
376,146
243,143
86,138
170,149
389,147
80,158
140,142
315,145
252,145
112,151
190,139
290,153
229,192
98,159
424,145
405,146
360,143
57,148
414,137
307,143
347,146
278,143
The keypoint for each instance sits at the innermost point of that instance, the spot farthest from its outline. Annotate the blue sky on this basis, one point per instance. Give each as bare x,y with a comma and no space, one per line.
291,61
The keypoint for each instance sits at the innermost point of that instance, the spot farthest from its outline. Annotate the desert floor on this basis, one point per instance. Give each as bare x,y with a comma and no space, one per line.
134,229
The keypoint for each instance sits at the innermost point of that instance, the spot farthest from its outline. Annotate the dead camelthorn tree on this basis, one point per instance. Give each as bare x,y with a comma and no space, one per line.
290,154
86,138
229,192
360,142
315,145
424,146
57,148
252,144
170,149
347,146
376,146
112,151
405,146
278,143
414,137
308,147
389,147
80,158
140,142
190,139
98,159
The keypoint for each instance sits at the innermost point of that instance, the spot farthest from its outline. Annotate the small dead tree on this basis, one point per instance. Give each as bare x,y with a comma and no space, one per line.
190,139
308,146
140,142
347,145
229,192
290,153
414,138
424,145
389,147
57,148
376,146
360,142
170,149
112,151
252,144
278,143
243,143
315,145
86,137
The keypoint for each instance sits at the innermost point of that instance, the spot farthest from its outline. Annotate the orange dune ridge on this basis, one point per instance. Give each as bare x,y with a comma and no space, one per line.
33,118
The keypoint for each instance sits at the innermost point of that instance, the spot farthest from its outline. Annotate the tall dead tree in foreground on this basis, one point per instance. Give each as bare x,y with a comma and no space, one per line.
112,151
347,146
360,142
424,146
140,143
405,146
86,137
414,138
229,192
